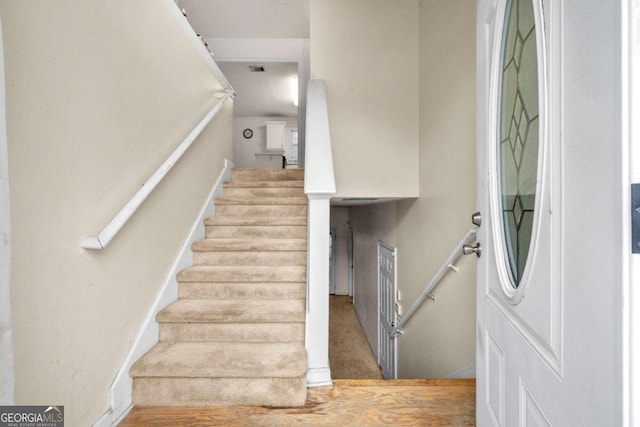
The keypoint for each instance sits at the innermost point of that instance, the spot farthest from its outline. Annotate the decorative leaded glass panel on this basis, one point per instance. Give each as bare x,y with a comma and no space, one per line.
518,129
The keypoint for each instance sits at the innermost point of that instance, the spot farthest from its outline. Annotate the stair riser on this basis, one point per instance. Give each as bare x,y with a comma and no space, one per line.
219,391
240,258
261,210
267,175
234,311
213,245
253,232
250,192
263,201
285,274
230,332
263,221
196,290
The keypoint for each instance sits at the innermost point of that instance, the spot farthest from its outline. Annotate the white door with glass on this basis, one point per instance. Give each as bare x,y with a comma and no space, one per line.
548,345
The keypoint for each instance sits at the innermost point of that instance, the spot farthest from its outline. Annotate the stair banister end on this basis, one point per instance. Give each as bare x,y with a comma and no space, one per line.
92,243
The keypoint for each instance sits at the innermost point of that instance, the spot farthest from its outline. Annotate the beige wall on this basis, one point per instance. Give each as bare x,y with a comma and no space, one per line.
97,97
366,51
371,224
440,338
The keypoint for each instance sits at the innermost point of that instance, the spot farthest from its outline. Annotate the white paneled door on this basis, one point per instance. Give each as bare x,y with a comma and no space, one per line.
549,191
386,310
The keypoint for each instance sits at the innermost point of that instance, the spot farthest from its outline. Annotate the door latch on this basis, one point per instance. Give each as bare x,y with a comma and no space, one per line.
476,219
635,218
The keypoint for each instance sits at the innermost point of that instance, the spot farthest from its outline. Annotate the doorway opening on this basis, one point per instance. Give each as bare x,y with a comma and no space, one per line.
387,343
352,353
266,113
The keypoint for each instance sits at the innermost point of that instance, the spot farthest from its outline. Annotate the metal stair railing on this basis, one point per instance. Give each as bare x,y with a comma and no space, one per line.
428,289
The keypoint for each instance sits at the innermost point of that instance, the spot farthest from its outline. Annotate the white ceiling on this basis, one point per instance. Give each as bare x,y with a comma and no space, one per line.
267,93
269,21
273,19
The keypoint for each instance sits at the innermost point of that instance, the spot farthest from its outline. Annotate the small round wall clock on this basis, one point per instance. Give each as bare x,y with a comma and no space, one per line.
247,133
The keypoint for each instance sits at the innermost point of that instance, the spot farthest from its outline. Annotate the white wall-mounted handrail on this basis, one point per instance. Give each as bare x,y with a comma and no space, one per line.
180,17
426,292
107,234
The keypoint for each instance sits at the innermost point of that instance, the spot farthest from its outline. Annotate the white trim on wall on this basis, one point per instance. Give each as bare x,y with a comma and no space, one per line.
120,393
196,42
468,372
7,376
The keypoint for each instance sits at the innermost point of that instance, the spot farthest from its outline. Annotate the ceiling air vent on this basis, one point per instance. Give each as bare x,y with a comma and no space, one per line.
256,68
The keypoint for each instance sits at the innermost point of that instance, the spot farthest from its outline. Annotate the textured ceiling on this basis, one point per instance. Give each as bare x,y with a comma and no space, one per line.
286,19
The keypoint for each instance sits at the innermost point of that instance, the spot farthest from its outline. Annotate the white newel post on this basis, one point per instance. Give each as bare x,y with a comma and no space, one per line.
319,186
317,324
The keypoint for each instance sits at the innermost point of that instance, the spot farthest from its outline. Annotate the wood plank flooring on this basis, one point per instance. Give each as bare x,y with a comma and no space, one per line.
346,403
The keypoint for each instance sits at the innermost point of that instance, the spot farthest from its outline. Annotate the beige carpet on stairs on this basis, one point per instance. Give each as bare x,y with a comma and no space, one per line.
350,356
235,335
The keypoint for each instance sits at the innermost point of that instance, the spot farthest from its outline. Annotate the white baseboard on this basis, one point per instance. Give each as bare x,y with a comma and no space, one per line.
468,372
319,377
120,393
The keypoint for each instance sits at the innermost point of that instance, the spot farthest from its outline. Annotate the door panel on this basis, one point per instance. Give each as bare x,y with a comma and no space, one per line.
387,310
548,350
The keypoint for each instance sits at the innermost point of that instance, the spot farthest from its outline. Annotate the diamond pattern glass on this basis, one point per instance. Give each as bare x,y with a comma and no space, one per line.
518,133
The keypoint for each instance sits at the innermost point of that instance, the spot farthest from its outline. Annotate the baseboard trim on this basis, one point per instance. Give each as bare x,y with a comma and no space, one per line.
468,372
120,393
318,377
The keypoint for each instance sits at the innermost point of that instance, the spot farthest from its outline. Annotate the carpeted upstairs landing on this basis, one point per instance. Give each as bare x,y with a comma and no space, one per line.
235,336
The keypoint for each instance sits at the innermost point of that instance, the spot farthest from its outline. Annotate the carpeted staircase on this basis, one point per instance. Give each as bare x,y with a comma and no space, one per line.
235,336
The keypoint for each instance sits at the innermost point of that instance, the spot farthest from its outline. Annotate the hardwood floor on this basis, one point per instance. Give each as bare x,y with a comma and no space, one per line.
346,403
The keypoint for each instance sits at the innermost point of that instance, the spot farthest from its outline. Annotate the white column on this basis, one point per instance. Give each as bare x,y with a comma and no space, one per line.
319,186
317,319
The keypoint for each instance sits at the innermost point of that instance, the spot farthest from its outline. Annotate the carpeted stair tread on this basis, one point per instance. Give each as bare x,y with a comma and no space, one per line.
294,187
265,184
257,221
222,360
232,332
234,311
250,245
256,231
278,392
274,258
262,201
261,192
236,333
262,210
207,273
239,174
213,290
